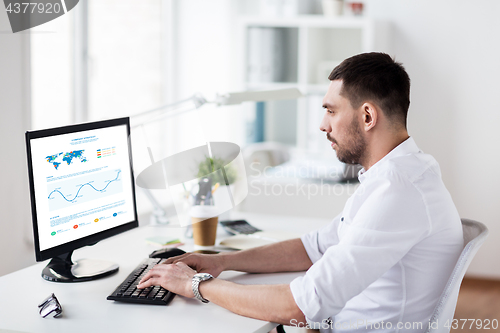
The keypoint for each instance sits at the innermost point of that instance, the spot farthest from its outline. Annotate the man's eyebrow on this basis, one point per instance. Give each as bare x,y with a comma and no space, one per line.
328,106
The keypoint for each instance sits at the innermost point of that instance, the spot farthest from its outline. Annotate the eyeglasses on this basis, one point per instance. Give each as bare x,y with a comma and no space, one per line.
50,306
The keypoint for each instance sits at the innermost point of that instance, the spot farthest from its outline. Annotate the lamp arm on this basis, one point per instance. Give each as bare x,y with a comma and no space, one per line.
198,101
168,110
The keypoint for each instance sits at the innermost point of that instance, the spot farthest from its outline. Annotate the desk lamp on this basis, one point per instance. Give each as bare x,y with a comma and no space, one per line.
197,100
154,173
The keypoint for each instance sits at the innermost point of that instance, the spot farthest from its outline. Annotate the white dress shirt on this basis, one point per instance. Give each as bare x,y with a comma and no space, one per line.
381,265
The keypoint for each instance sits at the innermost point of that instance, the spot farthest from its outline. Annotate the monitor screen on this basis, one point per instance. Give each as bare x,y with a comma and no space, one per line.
82,185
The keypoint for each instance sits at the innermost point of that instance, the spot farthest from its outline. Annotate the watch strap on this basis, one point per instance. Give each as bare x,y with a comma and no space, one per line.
197,279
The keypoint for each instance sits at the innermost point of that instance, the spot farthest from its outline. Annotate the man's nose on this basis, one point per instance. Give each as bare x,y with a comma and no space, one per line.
324,126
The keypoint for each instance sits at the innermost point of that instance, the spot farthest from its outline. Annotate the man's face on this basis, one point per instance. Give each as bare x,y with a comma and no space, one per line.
342,125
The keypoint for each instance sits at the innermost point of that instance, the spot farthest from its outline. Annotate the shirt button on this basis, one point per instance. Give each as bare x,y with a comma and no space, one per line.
342,219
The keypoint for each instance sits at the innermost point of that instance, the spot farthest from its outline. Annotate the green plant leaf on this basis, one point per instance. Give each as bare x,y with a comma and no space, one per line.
208,166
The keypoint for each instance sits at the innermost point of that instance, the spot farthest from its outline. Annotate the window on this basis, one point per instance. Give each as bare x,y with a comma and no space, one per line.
121,75
52,72
124,57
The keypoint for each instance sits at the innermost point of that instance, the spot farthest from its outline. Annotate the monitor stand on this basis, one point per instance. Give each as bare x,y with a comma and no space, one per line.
62,269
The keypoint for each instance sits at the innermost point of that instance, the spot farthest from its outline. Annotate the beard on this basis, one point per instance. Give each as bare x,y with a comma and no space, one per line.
353,149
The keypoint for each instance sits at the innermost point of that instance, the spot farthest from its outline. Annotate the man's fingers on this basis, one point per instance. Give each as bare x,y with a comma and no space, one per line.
152,272
153,277
185,268
188,258
148,283
145,277
172,259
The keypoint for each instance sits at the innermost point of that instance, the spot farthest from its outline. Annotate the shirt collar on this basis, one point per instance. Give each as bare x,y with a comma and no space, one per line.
404,148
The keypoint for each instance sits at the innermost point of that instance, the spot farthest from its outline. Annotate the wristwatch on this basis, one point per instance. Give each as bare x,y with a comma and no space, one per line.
197,278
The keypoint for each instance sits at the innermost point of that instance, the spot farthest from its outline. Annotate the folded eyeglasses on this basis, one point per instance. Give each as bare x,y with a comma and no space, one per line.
50,306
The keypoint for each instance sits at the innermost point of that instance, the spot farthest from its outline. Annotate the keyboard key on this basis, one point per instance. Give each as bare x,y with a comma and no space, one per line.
127,291
151,295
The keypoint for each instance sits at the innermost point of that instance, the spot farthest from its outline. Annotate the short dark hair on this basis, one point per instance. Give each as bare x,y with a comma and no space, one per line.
375,77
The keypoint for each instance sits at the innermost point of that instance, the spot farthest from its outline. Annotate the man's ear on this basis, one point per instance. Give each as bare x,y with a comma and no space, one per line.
370,116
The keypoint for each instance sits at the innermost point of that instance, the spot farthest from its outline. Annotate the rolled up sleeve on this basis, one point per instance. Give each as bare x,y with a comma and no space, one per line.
317,241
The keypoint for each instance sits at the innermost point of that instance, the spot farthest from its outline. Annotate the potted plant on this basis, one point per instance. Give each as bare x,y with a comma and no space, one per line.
209,165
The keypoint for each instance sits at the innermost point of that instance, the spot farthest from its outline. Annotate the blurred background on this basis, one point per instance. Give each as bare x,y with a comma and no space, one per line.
114,58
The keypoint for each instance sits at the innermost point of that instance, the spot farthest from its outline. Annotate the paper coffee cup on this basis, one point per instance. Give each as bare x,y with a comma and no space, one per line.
204,221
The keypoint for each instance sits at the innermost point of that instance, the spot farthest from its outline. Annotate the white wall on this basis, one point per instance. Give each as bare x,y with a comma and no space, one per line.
207,54
450,49
15,216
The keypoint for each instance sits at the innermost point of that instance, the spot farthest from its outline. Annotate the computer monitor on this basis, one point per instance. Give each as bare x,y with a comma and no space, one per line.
82,191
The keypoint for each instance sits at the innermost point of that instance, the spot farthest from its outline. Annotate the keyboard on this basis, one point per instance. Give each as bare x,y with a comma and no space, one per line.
127,290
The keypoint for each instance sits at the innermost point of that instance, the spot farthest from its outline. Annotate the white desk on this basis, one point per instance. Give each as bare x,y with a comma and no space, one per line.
85,308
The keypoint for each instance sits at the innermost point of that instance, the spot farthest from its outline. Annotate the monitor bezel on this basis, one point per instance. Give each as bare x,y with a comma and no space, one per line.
87,240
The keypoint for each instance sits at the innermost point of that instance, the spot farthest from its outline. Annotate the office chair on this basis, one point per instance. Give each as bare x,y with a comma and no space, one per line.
475,234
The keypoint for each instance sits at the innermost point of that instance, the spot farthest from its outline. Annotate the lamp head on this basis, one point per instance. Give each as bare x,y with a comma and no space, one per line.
257,96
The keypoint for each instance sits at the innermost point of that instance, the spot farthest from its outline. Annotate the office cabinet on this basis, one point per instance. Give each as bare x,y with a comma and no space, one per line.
301,52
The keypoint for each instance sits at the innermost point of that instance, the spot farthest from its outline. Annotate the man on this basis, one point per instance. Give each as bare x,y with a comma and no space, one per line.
384,261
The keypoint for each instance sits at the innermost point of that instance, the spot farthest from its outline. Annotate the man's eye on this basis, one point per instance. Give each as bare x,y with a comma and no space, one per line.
327,110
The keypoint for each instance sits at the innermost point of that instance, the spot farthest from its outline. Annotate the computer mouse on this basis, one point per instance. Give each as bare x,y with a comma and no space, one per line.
166,253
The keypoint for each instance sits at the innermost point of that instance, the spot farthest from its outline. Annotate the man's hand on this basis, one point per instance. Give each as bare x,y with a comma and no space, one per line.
286,256
174,277
202,263
265,302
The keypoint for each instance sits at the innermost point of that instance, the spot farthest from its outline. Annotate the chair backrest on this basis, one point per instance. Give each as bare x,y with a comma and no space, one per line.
475,234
